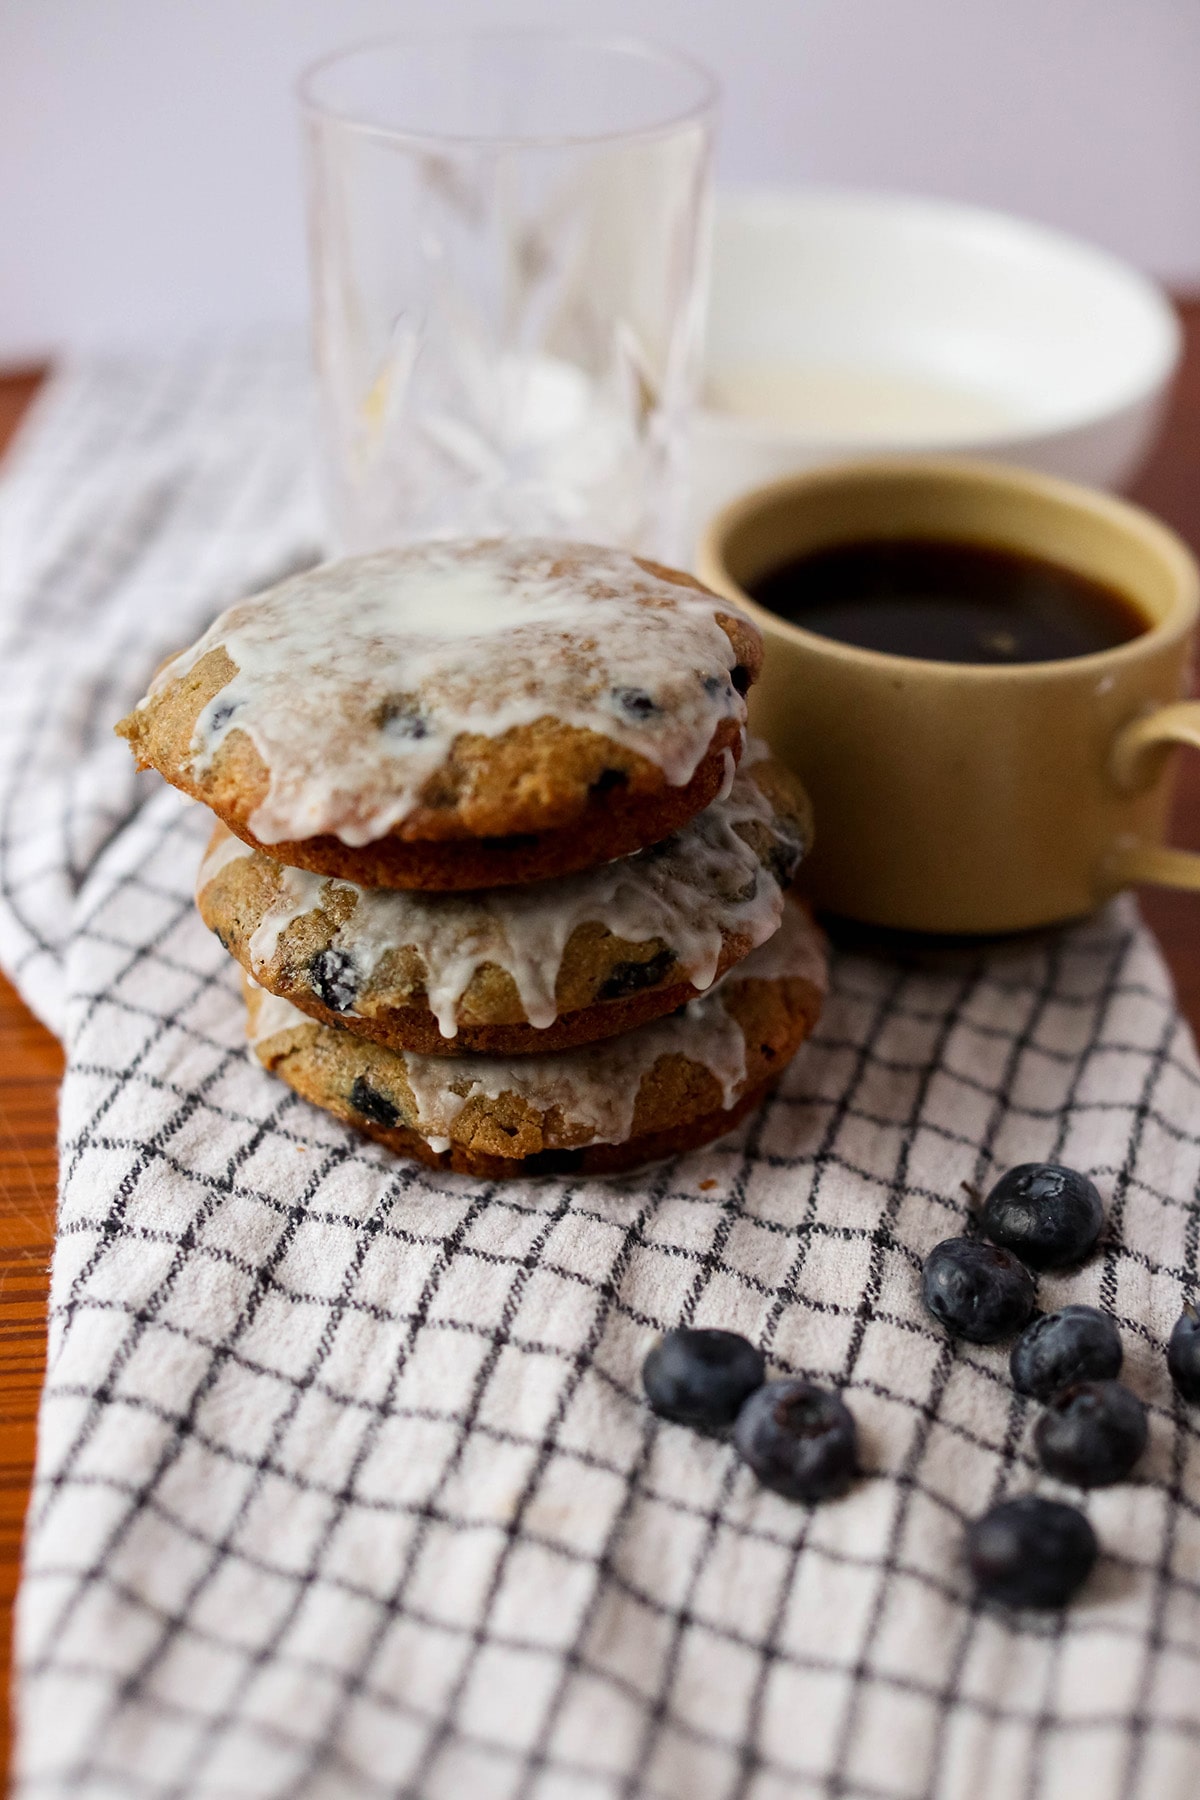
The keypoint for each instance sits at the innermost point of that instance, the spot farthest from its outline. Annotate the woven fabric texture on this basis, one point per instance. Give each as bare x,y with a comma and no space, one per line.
345,1484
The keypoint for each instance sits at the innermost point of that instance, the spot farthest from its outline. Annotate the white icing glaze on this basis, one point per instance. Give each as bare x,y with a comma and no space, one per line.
790,955
269,1015
223,849
701,886
595,1087
354,679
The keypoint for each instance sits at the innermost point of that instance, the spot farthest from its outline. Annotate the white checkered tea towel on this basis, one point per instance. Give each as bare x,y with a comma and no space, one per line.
345,1483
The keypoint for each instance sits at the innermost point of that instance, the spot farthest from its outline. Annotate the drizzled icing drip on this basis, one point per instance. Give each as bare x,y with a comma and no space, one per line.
354,679
594,1088
270,1014
700,888
223,849
791,954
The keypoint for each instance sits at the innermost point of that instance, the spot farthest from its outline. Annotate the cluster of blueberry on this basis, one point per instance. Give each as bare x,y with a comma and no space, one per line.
800,1439
1032,1551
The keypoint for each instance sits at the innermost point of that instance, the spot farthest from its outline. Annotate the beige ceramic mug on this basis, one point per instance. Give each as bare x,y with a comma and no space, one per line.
958,797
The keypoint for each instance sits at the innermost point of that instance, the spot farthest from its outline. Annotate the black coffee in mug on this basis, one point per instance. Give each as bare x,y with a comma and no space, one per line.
949,600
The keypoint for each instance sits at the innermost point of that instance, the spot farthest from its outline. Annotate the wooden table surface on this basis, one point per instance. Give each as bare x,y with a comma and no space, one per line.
31,1061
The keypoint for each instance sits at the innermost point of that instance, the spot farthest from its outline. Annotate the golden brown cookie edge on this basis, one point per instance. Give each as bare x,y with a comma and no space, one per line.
160,732
613,827
785,1008
415,1029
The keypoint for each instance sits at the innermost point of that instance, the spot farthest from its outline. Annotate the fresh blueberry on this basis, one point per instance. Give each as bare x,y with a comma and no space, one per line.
701,1377
1092,1433
1047,1215
977,1291
799,1439
1030,1552
1077,1344
1183,1353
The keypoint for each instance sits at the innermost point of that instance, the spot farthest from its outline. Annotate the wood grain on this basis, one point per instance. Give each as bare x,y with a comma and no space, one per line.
1170,486
30,1069
31,1061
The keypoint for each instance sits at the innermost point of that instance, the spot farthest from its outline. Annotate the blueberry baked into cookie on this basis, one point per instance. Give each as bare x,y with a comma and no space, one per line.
513,970
505,878
659,1089
458,715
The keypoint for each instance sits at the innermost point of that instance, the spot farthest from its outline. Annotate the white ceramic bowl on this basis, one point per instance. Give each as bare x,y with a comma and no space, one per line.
842,323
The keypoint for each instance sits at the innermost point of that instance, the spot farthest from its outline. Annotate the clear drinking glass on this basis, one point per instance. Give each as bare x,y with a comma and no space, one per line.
508,236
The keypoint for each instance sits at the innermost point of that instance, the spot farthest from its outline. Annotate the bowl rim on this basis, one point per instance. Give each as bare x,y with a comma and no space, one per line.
1162,342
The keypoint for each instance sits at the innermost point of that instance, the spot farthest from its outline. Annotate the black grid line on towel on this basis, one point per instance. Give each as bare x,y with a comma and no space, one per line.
345,1481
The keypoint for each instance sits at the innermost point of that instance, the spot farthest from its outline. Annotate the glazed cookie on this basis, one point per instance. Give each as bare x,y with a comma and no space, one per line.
663,1087
515,970
458,715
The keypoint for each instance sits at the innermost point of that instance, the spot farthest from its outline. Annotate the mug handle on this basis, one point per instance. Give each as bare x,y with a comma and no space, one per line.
1133,764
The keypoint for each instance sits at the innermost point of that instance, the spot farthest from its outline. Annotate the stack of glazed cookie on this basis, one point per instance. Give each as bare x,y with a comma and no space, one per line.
504,878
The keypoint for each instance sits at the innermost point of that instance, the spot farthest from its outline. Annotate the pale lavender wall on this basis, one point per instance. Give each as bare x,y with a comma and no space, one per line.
149,170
